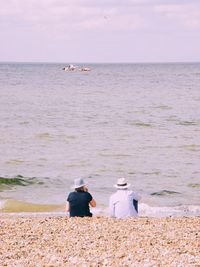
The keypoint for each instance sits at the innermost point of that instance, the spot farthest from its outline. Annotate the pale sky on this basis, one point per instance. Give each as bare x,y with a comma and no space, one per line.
100,30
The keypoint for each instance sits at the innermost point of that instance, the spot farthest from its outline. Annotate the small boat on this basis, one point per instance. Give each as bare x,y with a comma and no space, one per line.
74,68
85,69
69,68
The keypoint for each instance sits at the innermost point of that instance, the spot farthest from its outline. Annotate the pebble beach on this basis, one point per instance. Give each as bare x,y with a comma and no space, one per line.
99,241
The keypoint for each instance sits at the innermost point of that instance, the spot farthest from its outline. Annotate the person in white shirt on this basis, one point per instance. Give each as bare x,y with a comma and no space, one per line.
123,203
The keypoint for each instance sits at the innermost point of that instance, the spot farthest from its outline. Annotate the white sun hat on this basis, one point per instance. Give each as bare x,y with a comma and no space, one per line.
122,184
78,183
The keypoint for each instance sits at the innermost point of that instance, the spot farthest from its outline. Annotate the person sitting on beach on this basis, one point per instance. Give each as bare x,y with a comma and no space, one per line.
78,202
124,202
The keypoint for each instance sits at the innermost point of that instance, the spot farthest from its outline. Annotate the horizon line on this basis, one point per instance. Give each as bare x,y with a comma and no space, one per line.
93,62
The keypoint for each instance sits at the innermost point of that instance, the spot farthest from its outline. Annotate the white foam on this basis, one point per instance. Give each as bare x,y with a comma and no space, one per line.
183,210
144,211
150,211
2,203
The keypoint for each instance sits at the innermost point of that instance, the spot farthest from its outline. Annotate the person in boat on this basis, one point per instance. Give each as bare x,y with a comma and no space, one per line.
85,69
79,201
70,67
124,202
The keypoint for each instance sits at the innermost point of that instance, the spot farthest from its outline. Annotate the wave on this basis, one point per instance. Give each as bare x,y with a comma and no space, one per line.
164,193
152,211
170,211
187,123
17,206
139,123
19,180
194,185
13,207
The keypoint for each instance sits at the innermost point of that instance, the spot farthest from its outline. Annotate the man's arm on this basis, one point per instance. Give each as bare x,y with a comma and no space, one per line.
93,203
135,204
136,196
67,208
111,208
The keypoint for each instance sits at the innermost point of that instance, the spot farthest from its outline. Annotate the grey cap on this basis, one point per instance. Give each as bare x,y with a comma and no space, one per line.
78,183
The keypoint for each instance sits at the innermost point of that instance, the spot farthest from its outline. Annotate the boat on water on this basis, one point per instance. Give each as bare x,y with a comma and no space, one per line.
74,68
69,68
85,69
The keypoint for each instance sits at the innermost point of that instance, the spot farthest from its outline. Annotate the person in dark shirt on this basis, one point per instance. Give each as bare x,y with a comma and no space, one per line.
79,201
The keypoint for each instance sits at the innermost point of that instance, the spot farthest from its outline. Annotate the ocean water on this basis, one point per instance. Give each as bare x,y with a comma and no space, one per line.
139,121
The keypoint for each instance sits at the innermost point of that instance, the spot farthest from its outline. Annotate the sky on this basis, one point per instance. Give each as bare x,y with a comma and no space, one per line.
100,30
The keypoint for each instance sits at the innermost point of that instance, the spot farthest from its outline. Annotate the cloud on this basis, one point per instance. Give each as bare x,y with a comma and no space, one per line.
63,19
108,30
117,22
73,15
187,15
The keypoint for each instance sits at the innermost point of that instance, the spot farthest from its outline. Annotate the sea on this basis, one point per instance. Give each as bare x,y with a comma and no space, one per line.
138,121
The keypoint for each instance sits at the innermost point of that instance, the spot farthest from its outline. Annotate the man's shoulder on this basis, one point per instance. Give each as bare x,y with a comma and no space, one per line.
86,196
130,192
134,195
72,193
114,196
119,193
86,193
70,196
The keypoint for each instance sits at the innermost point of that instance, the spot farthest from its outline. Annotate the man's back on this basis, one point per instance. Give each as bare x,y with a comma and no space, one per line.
79,204
121,204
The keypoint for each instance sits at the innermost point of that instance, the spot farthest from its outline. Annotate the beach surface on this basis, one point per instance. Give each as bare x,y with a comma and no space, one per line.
99,241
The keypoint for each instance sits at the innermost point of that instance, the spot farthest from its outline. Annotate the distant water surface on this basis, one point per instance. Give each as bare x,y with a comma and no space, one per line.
139,121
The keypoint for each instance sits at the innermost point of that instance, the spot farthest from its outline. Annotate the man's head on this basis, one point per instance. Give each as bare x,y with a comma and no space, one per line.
122,184
79,185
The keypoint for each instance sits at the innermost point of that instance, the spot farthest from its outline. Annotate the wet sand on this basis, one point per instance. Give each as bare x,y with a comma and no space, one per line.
99,241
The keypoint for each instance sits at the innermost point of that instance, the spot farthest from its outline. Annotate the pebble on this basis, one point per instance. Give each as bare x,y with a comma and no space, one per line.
99,241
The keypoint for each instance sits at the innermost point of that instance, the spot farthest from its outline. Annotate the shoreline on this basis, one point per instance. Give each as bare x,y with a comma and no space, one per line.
95,215
99,241
21,208
59,210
